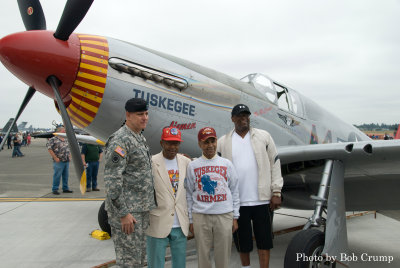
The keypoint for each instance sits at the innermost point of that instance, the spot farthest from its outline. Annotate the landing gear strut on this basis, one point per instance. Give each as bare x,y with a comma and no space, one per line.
309,247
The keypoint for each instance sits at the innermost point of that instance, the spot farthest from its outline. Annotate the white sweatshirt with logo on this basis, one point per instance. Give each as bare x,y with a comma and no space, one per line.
212,187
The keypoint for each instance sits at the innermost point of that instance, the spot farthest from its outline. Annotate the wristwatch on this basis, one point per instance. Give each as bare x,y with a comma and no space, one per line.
277,194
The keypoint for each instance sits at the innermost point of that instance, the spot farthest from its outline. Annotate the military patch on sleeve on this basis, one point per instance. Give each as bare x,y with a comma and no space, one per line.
115,158
120,151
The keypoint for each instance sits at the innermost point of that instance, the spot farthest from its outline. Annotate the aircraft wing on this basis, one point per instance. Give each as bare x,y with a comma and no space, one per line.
371,173
374,155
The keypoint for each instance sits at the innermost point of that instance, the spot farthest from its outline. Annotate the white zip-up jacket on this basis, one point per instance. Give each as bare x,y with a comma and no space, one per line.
269,166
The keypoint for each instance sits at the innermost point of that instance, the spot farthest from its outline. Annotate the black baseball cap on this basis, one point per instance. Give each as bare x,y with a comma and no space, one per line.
240,108
136,105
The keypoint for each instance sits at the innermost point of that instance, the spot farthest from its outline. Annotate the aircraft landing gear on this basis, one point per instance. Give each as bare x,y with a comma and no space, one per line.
310,247
305,250
102,218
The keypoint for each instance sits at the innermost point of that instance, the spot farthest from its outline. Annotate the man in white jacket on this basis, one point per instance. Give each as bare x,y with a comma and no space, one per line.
257,164
169,222
213,202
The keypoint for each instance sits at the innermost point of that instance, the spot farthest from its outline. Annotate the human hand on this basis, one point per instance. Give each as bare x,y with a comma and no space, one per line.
191,229
235,225
275,202
128,224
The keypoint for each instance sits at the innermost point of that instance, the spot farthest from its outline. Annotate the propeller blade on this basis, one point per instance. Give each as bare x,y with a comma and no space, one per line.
32,14
73,143
26,100
74,12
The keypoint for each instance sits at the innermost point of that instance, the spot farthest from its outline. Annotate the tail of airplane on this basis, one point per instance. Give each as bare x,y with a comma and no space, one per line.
7,126
397,137
22,125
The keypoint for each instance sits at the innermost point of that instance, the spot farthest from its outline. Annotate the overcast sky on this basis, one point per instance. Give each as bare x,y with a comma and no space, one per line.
345,55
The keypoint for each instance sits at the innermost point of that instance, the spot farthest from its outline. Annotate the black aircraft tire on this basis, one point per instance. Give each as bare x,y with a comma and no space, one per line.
305,242
103,219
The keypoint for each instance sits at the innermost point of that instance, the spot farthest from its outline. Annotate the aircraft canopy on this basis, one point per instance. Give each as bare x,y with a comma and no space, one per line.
286,99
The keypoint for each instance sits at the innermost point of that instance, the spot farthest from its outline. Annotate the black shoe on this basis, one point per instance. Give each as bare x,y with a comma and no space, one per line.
88,190
56,192
67,191
95,189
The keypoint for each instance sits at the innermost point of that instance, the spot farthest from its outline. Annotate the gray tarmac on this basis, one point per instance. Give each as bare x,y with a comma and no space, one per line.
39,229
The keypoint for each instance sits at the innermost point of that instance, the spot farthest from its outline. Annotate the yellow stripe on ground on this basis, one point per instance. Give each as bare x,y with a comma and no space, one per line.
45,199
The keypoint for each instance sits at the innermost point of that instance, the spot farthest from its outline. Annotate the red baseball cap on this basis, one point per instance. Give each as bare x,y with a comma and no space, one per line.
171,134
205,133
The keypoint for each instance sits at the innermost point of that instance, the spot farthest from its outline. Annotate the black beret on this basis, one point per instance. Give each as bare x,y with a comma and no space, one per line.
240,108
136,105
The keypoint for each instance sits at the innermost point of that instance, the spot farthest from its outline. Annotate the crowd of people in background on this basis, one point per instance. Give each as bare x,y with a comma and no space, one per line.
385,136
16,141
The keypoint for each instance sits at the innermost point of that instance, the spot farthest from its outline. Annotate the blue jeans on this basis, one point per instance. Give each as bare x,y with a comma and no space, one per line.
17,151
91,174
60,169
156,248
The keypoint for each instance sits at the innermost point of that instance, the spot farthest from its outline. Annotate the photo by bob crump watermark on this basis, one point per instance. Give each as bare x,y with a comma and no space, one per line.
345,257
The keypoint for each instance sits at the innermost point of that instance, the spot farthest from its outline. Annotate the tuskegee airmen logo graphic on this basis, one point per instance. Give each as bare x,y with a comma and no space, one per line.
211,183
208,185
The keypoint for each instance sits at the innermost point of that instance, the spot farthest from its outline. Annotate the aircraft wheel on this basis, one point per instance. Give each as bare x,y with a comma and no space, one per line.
103,219
308,243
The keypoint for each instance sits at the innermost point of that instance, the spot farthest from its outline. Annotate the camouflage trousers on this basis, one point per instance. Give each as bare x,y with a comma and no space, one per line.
130,250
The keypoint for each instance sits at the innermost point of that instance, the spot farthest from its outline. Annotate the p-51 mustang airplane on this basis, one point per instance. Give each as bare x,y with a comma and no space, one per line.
91,77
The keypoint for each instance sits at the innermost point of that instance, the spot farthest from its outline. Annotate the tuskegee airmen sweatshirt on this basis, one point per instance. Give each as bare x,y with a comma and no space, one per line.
212,187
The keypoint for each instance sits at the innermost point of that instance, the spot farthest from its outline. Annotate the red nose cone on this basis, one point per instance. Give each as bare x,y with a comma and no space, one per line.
33,56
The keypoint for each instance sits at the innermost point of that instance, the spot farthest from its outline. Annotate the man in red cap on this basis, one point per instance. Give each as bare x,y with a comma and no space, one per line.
169,223
213,201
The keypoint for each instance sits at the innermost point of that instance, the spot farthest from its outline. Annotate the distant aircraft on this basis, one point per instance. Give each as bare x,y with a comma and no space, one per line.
91,77
13,130
22,125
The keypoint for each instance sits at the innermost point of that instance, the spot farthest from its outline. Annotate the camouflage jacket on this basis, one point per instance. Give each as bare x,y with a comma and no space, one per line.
60,148
127,174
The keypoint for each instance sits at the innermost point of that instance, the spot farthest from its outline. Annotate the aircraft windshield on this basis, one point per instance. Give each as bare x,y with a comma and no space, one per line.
286,99
263,84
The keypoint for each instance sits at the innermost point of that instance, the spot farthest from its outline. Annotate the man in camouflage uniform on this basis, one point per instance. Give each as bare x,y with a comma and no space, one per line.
129,186
59,150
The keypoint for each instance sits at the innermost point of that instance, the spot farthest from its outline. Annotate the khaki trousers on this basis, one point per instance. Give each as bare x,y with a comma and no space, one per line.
213,231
